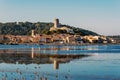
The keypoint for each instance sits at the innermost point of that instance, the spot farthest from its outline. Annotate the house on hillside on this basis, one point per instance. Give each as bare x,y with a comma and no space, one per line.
45,39
70,39
91,39
57,39
78,39
35,38
25,39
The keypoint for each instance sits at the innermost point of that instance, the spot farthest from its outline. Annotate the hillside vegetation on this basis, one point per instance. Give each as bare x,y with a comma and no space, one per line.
24,28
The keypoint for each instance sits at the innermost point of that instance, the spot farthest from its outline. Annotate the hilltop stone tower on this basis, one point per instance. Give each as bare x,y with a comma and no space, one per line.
57,26
56,23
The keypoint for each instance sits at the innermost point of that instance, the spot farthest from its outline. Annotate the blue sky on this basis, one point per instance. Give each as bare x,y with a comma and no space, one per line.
101,16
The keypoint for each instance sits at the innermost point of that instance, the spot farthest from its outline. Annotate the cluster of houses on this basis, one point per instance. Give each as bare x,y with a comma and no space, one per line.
54,39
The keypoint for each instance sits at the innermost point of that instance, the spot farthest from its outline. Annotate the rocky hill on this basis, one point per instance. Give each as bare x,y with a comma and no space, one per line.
24,28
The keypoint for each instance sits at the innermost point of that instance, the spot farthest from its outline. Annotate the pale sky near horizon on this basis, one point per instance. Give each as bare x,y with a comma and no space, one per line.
101,16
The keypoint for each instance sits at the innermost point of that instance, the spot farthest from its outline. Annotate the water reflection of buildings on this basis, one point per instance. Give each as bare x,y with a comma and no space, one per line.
32,53
55,61
42,78
31,56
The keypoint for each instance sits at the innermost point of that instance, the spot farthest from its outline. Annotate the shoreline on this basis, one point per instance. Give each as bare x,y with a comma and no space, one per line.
58,44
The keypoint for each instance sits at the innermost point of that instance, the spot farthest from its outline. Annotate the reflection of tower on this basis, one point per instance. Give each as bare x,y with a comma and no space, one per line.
42,78
33,33
32,53
56,23
56,64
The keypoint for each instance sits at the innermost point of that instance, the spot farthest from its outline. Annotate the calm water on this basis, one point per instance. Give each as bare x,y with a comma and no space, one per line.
31,62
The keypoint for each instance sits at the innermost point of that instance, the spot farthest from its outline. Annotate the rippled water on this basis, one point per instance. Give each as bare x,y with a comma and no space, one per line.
31,62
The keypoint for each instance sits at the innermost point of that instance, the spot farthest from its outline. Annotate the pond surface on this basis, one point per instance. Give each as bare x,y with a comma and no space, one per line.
44,62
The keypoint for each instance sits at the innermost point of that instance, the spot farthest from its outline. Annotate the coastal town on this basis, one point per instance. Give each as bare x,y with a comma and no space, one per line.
55,38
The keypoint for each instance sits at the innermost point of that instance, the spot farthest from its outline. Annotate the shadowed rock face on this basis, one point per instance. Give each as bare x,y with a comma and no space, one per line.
11,56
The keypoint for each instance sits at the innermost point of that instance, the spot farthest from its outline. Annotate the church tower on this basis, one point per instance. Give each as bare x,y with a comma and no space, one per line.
33,33
56,23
